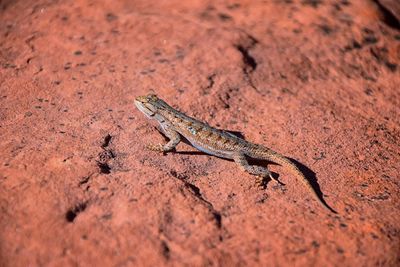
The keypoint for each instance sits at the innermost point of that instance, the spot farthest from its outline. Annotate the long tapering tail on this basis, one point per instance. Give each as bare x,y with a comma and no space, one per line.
287,163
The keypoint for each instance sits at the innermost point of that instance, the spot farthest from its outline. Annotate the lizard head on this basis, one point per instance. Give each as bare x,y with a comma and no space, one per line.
149,104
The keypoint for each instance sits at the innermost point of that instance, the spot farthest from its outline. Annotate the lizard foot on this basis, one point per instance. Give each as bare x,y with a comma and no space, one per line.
276,179
155,147
262,181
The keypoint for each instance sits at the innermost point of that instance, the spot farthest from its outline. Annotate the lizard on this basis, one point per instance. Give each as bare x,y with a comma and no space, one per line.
175,125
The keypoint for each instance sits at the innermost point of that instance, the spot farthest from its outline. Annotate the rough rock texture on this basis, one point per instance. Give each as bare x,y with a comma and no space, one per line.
316,80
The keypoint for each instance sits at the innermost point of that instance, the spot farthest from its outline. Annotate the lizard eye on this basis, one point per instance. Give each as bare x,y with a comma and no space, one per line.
152,97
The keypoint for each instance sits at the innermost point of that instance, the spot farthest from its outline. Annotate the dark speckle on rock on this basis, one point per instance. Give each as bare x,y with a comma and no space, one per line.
111,17
224,17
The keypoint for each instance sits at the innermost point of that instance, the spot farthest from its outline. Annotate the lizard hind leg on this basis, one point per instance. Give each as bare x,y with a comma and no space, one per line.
259,171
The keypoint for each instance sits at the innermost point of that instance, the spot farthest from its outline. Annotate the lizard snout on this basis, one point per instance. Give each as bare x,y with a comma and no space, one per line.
142,99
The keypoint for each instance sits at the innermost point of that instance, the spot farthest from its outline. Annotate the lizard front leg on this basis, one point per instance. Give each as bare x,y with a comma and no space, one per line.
174,139
259,171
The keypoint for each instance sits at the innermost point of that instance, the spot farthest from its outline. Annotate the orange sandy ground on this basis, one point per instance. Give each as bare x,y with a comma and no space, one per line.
315,80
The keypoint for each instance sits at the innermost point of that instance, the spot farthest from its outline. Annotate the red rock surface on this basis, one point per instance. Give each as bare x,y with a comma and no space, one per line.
315,80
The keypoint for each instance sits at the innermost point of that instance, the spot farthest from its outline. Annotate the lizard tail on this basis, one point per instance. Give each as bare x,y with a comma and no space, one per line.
287,163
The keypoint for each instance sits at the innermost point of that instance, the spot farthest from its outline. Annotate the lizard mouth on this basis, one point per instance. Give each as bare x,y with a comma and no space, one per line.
142,107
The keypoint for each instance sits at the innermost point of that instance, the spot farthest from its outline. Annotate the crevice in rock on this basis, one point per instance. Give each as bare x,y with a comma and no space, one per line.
389,18
211,81
251,83
244,46
165,250
71,214
218,218
249,62
225,100
210,84
107,140
197,193
195,190
85,180
104,157
312,3
104,167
